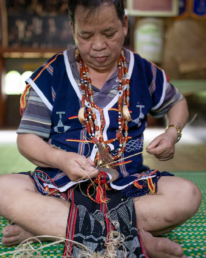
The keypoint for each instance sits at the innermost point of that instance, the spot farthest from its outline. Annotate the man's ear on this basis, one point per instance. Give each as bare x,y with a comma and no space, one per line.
125,25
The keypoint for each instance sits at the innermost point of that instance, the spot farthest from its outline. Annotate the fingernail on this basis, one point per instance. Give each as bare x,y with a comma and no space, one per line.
6,233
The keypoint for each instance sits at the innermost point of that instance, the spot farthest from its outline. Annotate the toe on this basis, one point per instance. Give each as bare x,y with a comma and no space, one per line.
10,230
9,241
170,248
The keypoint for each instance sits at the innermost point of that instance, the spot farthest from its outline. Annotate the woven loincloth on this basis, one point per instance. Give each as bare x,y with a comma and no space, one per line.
89,223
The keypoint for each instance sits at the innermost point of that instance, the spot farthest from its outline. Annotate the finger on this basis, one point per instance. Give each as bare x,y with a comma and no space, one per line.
90,170
159,150
164,157
90,161
153,144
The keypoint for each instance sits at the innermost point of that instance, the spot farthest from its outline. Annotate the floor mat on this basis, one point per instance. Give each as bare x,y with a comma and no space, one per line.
191,235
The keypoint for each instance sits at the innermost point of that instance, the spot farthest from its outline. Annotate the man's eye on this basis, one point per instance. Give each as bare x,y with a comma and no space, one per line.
86,37
110,35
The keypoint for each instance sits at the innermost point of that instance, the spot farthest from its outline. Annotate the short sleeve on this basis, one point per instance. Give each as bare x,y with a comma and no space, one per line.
36,117
42,80
158,86
172,96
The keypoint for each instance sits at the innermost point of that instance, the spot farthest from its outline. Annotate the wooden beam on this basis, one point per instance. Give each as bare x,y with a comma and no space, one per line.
27,52
3,17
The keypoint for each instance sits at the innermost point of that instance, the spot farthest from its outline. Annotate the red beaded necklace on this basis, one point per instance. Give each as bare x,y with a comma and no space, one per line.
88,117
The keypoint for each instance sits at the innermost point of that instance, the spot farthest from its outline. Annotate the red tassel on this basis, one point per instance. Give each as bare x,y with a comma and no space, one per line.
99,193
151,185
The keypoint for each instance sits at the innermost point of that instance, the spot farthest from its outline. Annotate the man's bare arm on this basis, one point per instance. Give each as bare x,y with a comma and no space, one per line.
163,146
42,154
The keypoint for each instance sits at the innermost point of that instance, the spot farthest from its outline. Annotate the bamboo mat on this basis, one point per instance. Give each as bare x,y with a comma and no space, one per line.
191,235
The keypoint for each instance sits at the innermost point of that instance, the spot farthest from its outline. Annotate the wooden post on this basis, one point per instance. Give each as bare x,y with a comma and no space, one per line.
2,95
3,28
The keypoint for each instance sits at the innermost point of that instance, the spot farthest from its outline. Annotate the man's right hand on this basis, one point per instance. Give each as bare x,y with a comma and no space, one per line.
42,154
76,167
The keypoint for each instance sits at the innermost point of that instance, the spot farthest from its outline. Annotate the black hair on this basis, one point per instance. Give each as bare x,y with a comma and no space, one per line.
93,5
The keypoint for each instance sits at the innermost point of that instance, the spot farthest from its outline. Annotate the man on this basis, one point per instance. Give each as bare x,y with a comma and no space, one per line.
67,91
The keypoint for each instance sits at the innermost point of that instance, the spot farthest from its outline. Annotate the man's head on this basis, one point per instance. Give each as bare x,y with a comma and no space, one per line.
98,31
93,6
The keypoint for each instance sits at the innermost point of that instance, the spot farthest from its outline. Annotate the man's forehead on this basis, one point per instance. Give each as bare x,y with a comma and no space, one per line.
95,16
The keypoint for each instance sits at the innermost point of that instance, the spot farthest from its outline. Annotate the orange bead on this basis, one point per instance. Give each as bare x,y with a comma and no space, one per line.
126,139
92,104
83,101
126,128
89,110
89,80
119,119
123,149
119,135
88,128
94,116
124,97
115,157
81,72
100,139
97,128
128,81
120,74
122,124
91,125
125,70
82,86
90,92
128,93
119,88
123,82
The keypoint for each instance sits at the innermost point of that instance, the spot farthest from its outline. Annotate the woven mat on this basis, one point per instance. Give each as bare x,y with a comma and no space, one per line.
191,235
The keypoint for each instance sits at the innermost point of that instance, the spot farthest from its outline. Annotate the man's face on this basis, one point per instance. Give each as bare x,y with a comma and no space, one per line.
99,37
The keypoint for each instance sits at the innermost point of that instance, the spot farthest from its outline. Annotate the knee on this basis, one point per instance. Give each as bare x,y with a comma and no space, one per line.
4,192
189,199
192,196
4,184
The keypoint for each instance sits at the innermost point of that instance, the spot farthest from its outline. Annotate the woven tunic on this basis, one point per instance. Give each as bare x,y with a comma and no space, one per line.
58,89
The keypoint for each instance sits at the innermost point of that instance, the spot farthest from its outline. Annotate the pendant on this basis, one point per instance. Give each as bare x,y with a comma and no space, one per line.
126,114
81,117
100,162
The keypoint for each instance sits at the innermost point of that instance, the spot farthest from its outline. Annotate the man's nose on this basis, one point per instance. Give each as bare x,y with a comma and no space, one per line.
99,43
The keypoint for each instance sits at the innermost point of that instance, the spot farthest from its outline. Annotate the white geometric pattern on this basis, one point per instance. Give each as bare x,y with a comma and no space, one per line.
134,145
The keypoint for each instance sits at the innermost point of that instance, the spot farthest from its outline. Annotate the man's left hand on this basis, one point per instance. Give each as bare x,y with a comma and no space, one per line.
163,146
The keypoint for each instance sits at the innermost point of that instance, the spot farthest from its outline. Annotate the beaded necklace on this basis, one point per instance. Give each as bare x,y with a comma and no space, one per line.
88,117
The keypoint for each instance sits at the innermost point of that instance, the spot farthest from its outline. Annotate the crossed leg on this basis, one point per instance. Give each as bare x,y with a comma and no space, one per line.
176,201
32,213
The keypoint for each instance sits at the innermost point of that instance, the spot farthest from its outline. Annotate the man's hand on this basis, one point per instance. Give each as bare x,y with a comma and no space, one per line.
163,146
76,167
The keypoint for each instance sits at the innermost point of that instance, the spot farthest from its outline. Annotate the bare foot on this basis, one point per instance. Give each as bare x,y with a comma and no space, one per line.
158,247
14,235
